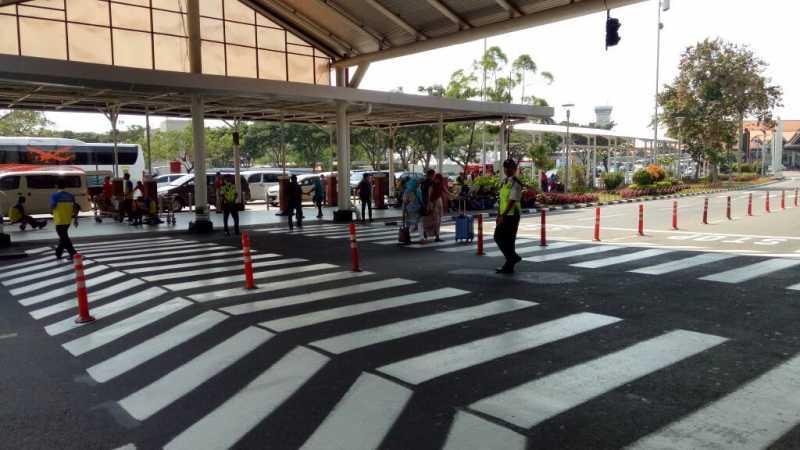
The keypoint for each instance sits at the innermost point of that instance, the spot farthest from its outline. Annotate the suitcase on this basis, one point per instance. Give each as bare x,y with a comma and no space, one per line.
404,235
465,225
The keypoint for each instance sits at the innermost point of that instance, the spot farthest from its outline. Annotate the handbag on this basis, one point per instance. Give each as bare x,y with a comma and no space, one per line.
404,235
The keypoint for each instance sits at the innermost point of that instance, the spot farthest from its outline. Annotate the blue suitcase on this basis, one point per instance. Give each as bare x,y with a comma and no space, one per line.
465,228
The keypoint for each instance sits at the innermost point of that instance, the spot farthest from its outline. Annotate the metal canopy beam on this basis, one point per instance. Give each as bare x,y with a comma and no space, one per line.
447,12
513,10
339,11
418,35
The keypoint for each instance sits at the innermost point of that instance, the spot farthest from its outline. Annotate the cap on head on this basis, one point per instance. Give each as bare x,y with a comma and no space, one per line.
510,164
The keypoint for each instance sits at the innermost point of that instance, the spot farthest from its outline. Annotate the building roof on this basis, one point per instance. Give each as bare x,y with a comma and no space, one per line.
581,131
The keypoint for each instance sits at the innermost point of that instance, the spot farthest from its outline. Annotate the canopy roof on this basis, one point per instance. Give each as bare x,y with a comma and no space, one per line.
582,131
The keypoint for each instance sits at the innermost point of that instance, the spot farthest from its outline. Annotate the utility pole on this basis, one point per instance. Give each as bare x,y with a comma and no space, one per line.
662,4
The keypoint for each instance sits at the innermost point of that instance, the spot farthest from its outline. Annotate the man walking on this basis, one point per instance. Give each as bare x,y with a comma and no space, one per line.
295,199
126,208
365,195
64,211
230,206
505,233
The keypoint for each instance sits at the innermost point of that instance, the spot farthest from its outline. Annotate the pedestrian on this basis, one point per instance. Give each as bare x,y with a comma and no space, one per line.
425,187
432,222
365,195
217,192
108,190
319,195
16,215
65,210
295,200
543,180
505,233
126,207
412,205
230,206
551,183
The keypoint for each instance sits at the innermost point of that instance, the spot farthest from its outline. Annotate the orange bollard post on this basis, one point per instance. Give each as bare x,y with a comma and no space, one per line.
750,204
766,201
480,235
83,296
249,283
597,224
705,212
354,248
641,220
728,209
675,215
783,199
543,238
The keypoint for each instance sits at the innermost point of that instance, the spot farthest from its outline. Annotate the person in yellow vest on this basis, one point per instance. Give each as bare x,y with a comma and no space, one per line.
17,216
65,210
505,233
230,207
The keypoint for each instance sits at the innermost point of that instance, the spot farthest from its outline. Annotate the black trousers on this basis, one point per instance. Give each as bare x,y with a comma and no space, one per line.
298,211
64,243
318,203
229,210
366,204
505,235
28,220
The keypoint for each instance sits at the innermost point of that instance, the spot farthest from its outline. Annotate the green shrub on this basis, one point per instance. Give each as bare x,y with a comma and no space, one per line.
642,178
663,184
613,180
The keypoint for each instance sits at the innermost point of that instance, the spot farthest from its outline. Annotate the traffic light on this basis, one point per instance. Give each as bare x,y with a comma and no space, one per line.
612,31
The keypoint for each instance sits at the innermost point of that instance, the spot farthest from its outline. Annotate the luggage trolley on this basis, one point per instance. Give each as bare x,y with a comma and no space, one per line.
168,208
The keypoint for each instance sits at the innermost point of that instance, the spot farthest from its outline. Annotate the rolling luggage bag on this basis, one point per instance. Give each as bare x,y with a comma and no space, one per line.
404,235
465,225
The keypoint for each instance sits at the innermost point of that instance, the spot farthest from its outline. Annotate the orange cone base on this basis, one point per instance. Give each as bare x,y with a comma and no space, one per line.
87,319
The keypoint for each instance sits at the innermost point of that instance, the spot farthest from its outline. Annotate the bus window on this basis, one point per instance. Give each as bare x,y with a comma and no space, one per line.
9,183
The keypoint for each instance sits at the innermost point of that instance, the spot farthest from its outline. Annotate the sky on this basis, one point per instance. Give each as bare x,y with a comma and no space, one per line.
585,73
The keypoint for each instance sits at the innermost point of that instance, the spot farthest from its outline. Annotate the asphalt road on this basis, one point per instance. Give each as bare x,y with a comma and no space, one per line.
590,345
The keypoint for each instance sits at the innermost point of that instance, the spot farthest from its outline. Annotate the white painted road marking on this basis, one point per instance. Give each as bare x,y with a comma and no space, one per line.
236,258
174,253
535,249
681,264
94,296
68,268
470,432
573,253
752,271
51,282
40,264
201,259
213,270
145,251
536,401
614,260
56,293
186,378
240,277
426,367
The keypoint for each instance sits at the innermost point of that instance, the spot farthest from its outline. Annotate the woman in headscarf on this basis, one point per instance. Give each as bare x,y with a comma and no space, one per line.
411,205
437,193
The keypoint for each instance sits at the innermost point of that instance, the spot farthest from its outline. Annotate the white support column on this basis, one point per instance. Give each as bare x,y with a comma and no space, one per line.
501,141
342,157
594,161
201,222
149,147
440,152
392,131
237,162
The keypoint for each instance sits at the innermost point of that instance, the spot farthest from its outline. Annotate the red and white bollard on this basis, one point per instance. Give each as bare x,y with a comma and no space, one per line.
543,238
354,248
83,295
750,204
766,202
641,220
480,235
705,212
728,209
597,224
783,199
249,283
675,215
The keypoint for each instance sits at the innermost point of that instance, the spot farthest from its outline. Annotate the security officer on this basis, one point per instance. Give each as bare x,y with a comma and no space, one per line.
505,233
64,211
230,207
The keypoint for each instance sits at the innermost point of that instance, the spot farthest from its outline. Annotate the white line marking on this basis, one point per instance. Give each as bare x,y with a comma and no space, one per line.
682,264
277,285
72,303
131,246
239,278
752,271
614,260
536,401
127,241
212,270
381,238
202,251
106,310
306,229
70,277
38,251
535,249
59,292
186,378
227,424
236,257
371,336
30,262
363,417
314,318
263,305
753,416
470,432
8,336
146,252
573,253
144,248
365,233
431,244
119,329
201,259
45,274
42,265
155,346
426,367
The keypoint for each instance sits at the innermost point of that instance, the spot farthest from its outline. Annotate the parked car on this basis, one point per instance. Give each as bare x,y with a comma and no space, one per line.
260,180
37,184
182,190
162,180
306,181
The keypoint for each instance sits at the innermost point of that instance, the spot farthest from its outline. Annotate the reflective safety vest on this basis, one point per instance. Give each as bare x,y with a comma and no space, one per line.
62,203
505,193
14,214
127,187
228,192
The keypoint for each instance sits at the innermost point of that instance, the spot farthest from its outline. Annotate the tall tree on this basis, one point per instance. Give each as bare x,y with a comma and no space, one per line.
309,145
371,142
23,123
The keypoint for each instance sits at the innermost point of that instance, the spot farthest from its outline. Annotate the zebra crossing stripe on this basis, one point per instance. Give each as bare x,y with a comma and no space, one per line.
754,416
153,347
94,297
67,290
236,259
198,251
41,264
119,329
426,367
277,285
307,229
132,246
38,250
685,263
69,268
146,251
106,310
365,233
163,392
263,305
752,271
212,270
364,338
69,277
432,244
314,318
127,242
466,247
382,238
536,401
201,259
535,249
614,260
470,432
28,263
227,424
571,254
363,417
240,277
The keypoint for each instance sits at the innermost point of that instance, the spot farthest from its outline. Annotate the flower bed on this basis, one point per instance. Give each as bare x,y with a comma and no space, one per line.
642,191
555,198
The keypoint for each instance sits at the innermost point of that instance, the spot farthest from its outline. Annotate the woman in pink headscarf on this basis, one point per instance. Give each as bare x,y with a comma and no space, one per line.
437,196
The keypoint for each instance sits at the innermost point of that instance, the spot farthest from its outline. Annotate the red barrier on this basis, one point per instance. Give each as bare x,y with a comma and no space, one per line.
543,239
728,209
675,215
641,220
597,224
354,248
767,202
480,235
705,212
783,199
249,283
83,296
750,204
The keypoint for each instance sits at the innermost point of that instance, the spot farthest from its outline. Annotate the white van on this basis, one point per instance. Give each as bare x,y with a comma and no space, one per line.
260,180
37,184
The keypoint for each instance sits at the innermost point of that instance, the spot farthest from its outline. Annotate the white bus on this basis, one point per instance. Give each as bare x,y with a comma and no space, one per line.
71,152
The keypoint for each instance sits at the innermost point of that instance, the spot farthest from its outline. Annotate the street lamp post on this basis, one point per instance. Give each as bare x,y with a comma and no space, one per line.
662,5
566,148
